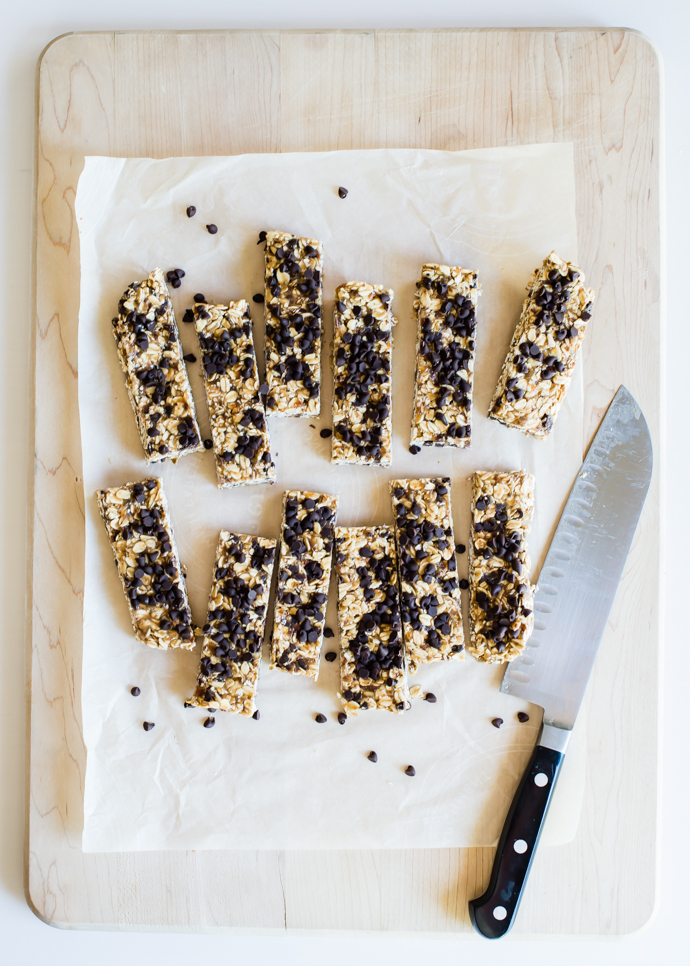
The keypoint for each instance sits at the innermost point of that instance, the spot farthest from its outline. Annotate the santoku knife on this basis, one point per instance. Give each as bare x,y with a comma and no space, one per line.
576,589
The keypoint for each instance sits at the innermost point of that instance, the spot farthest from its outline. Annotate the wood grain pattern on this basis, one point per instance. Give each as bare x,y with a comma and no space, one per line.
158,94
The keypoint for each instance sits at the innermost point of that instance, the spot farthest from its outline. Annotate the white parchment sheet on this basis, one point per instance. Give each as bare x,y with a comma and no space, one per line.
285,781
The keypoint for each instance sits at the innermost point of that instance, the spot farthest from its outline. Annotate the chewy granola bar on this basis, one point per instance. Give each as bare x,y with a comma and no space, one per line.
542,355
236,410
446,306
430,592
141,535
234,631
306,551
148,346
363,323
501,617
293,324
372,656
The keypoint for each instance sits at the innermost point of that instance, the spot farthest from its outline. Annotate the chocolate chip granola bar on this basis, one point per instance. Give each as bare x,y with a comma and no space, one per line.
293,299
372,657
363,323
430,592
234,630
544,349
501,617
150,354
238,425
306,551
446,305
141,535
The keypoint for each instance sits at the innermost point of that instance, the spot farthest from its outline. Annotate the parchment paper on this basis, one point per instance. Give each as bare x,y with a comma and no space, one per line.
285,781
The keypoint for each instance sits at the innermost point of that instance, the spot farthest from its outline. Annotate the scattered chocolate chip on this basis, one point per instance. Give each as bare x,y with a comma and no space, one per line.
342,192
410,771
415,449
460,548
321,718
209,722
211,229
522,716
191,211
372,756
497,722
464,584
342,717
199,297
148,725
208,444
325,433
190,357
256,715
136,692
258,298
188,316
331,656
430,697
327,632
262,237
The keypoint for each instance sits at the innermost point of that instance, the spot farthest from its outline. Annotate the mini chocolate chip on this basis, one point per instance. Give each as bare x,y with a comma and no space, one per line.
258,298
331,656
415,449
190,357
464,584
460,548
410,771
256,715
211,229
199,297
522,716
342,717
209,722
321,718
191,211
136,692
188,316
325,433
372,756
430,697
327,632
148,725
208,444
342,192
497,722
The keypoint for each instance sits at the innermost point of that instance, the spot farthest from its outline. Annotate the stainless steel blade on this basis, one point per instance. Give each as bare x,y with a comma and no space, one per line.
584,564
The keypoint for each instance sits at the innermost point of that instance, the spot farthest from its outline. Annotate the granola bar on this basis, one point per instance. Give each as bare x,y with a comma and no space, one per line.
501,617
293,324
141,535
446,306
236,410
150,354
430,592
372,657
542,355
306,551
234,631
363,324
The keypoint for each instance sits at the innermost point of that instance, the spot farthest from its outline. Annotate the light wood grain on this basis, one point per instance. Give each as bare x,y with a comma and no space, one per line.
158,94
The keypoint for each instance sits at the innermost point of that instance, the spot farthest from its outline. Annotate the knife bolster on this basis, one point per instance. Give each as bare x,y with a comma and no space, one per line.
555,738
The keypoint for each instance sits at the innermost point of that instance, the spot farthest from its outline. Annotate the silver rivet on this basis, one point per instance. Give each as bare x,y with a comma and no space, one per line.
500,913
540,779
520,846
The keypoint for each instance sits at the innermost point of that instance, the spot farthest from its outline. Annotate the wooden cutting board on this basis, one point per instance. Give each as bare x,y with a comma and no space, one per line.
157,94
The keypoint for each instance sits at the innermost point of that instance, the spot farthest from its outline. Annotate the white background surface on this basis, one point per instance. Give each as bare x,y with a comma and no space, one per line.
26,28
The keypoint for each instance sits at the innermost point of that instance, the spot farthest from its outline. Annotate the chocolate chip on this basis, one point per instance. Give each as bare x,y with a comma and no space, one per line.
256,715
460,548
331,656
200,298
325,433
321,718
208,444
209,722
211,229
342,192
464,584
136,692
327,632
410,771
414,449
191,211
497,722
522,716
372,756
342,717
190,357
258,298
148,725
430,697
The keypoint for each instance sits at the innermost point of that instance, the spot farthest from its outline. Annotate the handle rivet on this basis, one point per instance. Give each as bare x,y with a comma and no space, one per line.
540,779
500,912
520,846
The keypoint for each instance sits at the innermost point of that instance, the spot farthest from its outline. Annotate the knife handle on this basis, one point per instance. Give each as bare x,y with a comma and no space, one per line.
493,913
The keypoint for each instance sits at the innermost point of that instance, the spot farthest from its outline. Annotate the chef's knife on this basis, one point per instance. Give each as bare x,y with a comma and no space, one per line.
576,589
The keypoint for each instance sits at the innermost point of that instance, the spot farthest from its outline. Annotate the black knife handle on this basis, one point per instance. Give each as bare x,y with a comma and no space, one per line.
493,913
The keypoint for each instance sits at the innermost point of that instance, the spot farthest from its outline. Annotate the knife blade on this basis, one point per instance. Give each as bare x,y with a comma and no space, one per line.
577,586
